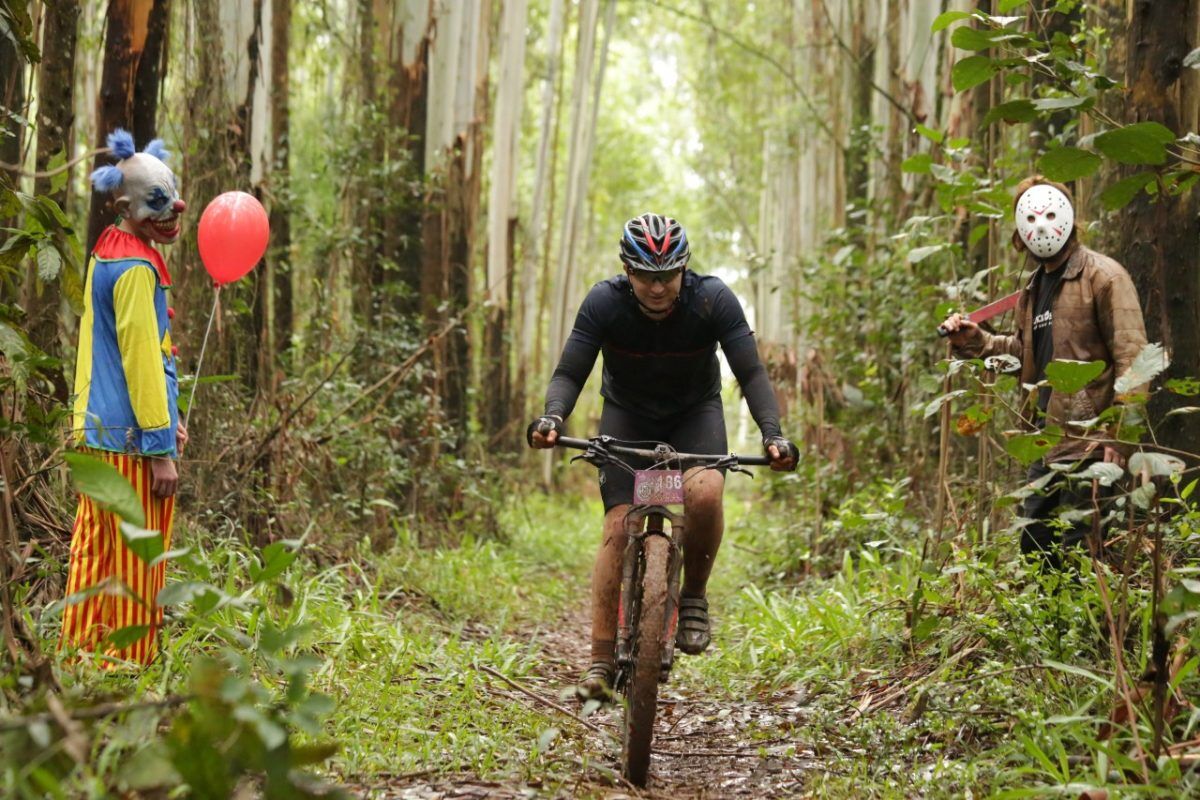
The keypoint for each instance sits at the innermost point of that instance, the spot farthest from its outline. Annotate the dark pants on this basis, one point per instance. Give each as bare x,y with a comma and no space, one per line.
1044,537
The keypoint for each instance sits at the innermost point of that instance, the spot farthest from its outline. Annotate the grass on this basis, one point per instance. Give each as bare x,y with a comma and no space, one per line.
999,687
963,678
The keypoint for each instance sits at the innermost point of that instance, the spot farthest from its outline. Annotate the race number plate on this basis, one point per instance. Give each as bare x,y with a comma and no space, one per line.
658,487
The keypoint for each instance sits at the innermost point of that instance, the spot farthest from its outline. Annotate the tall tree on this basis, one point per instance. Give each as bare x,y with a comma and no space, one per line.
580,136
279,275
453,155
1159,234
502,216
56,115
12,90
543,181
129,86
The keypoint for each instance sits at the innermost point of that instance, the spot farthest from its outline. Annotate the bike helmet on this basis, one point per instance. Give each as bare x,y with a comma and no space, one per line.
654,243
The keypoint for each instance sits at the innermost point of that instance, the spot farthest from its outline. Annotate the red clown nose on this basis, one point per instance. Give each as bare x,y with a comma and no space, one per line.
233,236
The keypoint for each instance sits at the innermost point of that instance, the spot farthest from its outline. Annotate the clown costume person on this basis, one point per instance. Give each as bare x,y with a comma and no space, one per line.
125,412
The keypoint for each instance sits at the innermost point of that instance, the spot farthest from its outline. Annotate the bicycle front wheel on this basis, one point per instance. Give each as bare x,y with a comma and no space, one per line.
641,688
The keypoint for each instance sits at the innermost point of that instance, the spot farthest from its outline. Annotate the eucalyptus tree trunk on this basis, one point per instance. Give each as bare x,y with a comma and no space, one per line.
502,219
12,100
577,171
408,115
56,114
542,183
1159,234
453,154
278,282
128,87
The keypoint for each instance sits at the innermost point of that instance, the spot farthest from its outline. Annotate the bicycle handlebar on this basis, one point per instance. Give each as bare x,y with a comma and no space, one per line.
600,443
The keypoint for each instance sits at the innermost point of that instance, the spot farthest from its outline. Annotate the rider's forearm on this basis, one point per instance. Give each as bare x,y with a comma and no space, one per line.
578,357
751,375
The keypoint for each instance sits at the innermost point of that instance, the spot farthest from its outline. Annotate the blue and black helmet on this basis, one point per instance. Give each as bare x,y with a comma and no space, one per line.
654,243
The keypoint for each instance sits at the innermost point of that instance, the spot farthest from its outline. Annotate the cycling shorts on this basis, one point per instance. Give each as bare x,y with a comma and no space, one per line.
701,429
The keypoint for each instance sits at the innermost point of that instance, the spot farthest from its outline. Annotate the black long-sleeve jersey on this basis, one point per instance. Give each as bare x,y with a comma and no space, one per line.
660,369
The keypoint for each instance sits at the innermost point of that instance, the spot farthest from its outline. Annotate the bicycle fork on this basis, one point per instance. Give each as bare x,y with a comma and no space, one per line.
632,567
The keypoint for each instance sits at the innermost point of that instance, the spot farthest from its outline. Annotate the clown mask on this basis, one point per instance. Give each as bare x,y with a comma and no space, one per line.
1045,220
143,187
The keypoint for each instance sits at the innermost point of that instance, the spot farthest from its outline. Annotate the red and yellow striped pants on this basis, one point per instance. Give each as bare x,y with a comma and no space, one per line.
109,587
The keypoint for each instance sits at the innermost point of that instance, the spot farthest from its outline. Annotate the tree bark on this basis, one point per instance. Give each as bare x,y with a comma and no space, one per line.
1159,234
127,42
56,114
279,260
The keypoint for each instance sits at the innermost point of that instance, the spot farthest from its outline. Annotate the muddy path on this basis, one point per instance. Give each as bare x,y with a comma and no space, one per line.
705,746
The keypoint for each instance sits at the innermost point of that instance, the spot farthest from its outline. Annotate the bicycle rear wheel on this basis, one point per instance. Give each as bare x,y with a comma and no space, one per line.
641,688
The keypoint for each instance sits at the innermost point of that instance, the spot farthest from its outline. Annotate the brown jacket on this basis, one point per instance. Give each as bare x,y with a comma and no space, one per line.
1097,317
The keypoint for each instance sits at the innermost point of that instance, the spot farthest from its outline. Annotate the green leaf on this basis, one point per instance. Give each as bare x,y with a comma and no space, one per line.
276,557
303,755
1066,164
1155,464
123,637
102,482
1069,377
919,163
1062,103
968,38
978,233
945,20
1029,447
1080,671
1149,363
1008,5
971,71
929,133
935,405
1140,143
919,254
1120,194
59,180
180,592
145,544
1187,387
1011,112
49,262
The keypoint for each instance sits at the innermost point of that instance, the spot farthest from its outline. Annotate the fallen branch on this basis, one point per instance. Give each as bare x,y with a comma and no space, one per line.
548,703
60,168
91,712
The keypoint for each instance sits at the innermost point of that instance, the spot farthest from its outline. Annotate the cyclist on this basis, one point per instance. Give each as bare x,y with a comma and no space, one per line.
658,326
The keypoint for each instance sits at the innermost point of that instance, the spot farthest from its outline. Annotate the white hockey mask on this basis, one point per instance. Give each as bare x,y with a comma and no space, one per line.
1045,220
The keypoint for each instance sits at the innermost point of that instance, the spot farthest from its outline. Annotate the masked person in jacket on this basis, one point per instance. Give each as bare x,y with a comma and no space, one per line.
125,412
658,326
1077,305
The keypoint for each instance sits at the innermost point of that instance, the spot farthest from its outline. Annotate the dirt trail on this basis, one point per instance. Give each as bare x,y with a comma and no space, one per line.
704,746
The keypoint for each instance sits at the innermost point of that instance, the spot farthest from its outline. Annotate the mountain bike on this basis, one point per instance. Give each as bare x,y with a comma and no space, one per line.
648,610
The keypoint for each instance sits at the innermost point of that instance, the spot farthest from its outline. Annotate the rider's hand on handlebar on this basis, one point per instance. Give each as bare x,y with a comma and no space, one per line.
782,452
543,432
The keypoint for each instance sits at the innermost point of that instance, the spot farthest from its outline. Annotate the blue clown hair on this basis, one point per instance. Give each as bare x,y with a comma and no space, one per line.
120,141
107,178
158,150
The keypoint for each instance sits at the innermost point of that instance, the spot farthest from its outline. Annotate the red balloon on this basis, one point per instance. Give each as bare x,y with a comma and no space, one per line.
233,236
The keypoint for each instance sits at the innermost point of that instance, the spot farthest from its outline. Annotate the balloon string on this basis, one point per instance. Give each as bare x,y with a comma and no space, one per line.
203,345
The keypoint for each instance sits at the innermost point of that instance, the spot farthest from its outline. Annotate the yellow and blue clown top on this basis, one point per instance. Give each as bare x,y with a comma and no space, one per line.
126,383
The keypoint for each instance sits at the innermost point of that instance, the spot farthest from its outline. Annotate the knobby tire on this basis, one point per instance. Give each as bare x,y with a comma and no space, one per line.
641,689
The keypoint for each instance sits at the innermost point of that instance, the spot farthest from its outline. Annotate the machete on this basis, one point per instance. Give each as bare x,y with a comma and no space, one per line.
1006,303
